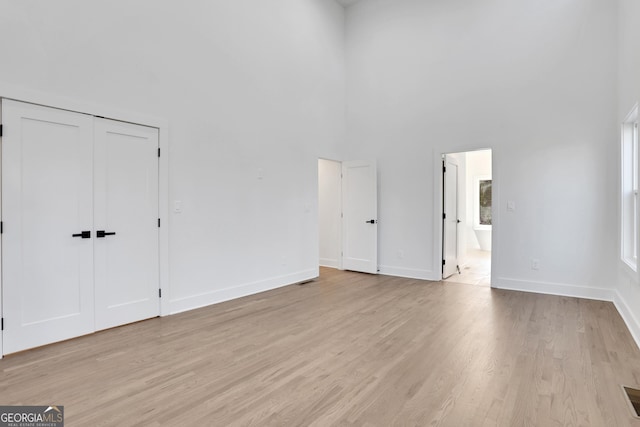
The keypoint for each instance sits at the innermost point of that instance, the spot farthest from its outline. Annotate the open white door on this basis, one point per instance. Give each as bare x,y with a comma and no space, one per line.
360,213
126,223
450,218
47,210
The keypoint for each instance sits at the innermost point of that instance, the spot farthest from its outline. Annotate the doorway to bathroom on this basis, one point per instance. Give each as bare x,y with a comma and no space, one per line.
467,217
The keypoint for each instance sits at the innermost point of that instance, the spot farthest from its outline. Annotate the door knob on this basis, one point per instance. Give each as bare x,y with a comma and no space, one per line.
372,221
102,233
83,234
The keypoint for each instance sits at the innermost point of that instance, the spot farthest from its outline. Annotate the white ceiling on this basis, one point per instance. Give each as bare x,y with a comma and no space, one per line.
346,3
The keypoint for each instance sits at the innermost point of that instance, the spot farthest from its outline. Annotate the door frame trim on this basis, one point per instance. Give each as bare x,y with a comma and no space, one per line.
21,94
437,154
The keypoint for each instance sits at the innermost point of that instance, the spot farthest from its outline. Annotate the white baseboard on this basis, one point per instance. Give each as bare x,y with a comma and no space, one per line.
220,295
327,262
409,273
627,315
560,289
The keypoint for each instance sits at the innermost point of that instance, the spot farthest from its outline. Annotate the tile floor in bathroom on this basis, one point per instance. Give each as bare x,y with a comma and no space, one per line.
476,269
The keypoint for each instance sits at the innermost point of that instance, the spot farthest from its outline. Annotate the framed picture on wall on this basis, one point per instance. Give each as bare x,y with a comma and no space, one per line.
482,202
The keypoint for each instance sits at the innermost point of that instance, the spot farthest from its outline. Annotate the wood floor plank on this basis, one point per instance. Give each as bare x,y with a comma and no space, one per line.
348,349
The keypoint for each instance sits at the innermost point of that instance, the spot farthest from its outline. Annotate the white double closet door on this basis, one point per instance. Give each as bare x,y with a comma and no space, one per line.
80,216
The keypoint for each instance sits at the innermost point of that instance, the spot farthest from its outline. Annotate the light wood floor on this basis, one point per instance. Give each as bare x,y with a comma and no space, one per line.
349,349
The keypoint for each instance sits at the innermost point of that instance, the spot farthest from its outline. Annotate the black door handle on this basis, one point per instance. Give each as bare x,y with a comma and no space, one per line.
102,233
372,221
83,234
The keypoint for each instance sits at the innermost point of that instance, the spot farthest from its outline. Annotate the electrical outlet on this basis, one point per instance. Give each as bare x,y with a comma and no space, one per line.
535,264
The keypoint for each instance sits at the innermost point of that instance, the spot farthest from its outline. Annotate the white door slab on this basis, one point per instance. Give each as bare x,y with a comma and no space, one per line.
450,219
126,204
47,192
360,216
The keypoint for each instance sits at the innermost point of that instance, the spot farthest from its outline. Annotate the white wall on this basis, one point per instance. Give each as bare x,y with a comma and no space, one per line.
245,85
535,81
627,296
478,164
330,212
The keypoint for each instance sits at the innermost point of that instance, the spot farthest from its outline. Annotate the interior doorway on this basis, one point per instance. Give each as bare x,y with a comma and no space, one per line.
347,215
467,217
330,213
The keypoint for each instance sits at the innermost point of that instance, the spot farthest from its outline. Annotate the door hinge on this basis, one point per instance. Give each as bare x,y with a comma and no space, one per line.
158,222
1,227
444,168
443,262
1,130
159,293
444,216
158,152
2,324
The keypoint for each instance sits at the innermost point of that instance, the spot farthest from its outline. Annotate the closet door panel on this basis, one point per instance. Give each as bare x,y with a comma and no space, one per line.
46,198
126,203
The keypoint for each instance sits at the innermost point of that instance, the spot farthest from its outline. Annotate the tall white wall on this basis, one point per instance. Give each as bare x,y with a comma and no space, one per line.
534,81
253,93
628,289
